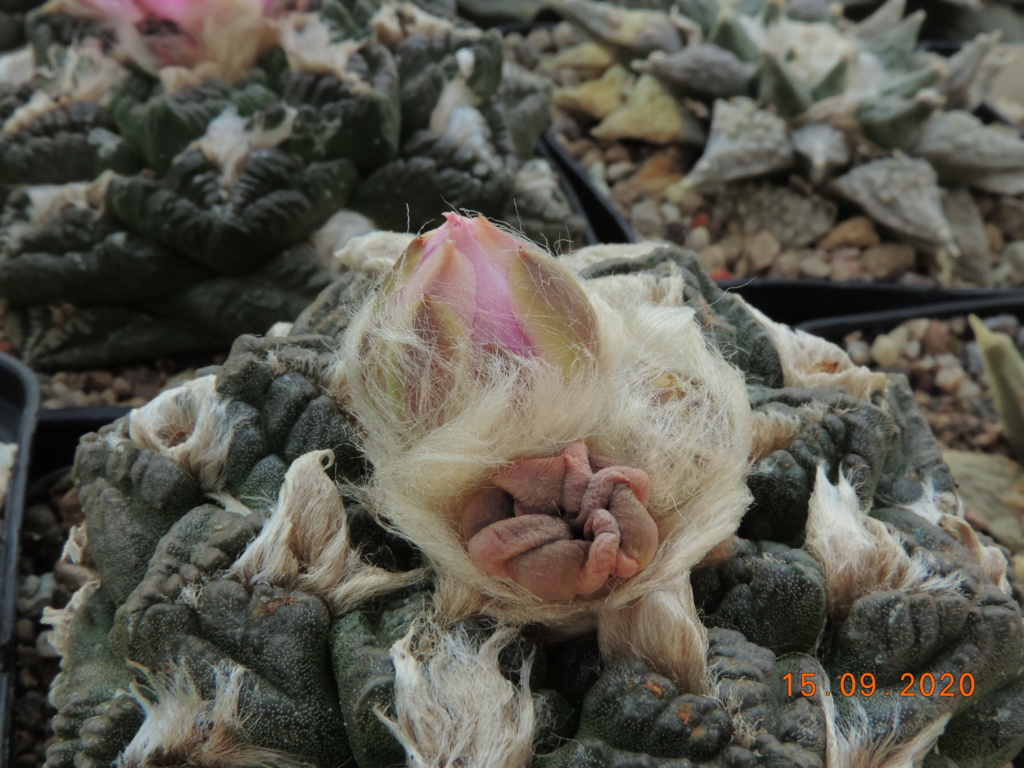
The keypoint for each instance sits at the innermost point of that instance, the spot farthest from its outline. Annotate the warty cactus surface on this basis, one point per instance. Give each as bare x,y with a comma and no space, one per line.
766,92
502,510
175,174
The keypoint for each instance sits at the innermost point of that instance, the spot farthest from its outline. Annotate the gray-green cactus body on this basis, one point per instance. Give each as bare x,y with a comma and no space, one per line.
72,143
168,622
335,116
635,717
218,213
162,124
247,575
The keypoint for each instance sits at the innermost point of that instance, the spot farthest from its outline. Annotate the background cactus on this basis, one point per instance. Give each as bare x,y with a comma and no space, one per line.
784,113
248,580
161,195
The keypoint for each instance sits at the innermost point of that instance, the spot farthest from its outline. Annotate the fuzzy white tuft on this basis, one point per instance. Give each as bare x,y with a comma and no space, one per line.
853,747
84,73
305,544
991,559
659,398
860,554
60,619
190,426
374,253
307,42
579,260
810,361
453,707
337,232
230,139
183,728
664,630
395,22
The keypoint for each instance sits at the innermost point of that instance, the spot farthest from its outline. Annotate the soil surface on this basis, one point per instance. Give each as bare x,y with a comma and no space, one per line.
944,365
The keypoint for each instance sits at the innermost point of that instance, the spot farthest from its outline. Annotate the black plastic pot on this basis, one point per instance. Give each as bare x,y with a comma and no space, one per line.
798,302
609,225
19,402
58,432
547,151
835,329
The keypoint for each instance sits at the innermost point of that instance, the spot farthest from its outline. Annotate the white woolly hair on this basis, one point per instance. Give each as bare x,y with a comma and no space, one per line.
230,140
337,232
85,73
374,253
453,707
305,544
189,425
810,361
75,555
396,21
658,398
850,744
309,46
860,554
60,618
991,559
183,728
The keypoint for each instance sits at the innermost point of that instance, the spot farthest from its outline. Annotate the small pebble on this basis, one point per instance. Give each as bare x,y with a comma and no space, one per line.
847,265
950,378
670,212
969,389
762,249
618,171
29,586
860,352
889,261
713,258
699,238
815,265
787,264
858,231
25,631
886,350
646,218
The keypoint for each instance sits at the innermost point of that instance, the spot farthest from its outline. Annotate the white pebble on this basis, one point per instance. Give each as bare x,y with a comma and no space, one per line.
886,350
949,378
860,352
968,388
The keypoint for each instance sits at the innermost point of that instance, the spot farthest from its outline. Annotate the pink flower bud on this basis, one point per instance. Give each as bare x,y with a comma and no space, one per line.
499,290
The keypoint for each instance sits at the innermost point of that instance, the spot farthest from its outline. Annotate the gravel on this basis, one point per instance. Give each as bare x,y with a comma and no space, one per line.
730,235
43,583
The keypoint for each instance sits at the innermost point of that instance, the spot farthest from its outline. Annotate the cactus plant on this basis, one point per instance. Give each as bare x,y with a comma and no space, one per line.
507,510
177,174
851,112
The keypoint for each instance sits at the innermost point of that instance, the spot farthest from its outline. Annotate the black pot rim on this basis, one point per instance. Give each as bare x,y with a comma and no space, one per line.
21,390
872,323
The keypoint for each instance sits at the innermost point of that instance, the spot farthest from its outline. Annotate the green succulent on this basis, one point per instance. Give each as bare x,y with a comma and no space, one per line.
251,590
856,110
159,209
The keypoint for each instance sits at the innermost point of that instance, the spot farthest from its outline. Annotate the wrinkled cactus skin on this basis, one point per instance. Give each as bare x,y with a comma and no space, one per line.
183,210
323,684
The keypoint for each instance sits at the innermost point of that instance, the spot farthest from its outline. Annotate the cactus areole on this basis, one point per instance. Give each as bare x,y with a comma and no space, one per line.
501,510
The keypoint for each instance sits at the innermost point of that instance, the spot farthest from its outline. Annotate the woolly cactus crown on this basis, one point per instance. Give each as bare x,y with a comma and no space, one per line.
422,530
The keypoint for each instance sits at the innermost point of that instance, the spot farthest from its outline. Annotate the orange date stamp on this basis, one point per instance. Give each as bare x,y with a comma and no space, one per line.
947,684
